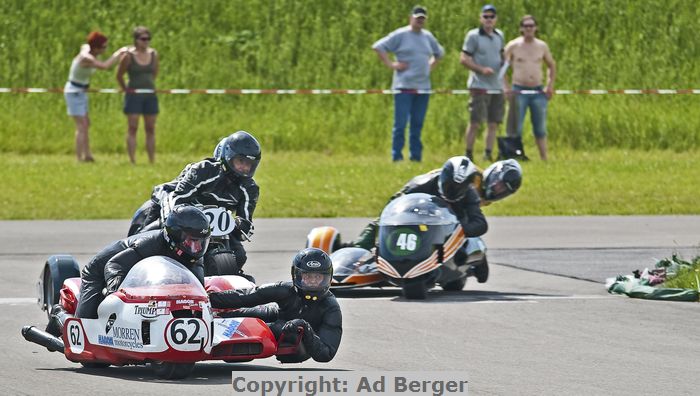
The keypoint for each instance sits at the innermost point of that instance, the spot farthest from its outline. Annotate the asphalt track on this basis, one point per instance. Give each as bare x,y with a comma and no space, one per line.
542,325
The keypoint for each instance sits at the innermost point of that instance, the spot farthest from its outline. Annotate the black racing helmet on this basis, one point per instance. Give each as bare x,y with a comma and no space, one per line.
219,149
502,179
456,175
241,154
187,232
312,271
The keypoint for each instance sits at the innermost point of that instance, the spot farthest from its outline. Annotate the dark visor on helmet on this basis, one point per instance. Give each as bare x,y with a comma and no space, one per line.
313,281
194,246
243,165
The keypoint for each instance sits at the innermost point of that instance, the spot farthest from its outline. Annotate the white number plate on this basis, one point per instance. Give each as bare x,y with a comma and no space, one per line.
221,221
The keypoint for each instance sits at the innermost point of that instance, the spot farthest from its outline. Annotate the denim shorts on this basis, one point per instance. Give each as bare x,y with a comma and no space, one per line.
537,103
146,104
76,100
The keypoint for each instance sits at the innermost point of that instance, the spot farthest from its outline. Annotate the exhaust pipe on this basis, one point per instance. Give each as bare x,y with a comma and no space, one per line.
32,334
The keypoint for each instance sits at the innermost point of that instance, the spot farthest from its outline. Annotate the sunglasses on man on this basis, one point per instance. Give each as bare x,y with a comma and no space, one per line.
488,16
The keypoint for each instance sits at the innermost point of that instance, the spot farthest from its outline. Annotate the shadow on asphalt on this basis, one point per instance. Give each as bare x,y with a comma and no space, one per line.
437,295
203,373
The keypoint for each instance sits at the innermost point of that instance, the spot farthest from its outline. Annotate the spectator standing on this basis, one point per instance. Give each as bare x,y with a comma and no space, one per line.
417,52
482,54
141,64
75,91
525,55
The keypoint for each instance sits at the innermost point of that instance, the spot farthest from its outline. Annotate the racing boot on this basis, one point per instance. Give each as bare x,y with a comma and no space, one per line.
367,237
57,319
480,271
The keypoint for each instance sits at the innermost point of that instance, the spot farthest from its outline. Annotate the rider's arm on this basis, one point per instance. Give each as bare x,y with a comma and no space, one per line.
118,266
473,222
196,177
323,345
246,206
273,292
197,269
151,244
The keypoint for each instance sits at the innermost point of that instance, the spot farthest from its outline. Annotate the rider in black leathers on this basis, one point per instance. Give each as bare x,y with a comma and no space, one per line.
454,183
225,181
184,238
305,303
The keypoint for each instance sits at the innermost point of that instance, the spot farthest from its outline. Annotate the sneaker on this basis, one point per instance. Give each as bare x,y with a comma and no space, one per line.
487,157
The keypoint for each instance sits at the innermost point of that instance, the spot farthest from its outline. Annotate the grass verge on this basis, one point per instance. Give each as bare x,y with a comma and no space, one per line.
295,184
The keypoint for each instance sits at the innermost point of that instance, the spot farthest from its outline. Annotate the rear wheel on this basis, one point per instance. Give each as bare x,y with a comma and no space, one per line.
455,285
414,290
221,263
168,370
57,269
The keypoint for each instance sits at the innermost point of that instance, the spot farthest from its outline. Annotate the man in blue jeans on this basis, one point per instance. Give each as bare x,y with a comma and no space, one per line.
417,52
525,55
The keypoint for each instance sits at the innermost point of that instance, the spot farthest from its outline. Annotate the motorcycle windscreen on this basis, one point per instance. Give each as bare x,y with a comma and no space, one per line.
417,209
352,260
405,246
161,276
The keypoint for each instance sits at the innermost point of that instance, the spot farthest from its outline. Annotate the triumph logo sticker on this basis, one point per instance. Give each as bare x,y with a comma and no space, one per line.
154,309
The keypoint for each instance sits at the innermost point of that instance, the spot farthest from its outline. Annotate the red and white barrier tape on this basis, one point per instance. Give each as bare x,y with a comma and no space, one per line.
357,91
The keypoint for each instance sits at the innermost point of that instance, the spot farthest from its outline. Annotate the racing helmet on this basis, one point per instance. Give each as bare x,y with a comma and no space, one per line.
456,175
502,179
218,150
187,232
241,154
312,271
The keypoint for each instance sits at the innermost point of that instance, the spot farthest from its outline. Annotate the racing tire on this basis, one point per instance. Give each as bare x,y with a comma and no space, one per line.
57,269
167,370
455,285
221,263
414,290
94,365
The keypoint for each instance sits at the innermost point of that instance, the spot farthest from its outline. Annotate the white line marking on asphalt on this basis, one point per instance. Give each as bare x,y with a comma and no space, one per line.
15,301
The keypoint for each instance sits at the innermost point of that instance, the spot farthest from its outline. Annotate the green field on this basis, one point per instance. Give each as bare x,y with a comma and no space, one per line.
346,185
329,155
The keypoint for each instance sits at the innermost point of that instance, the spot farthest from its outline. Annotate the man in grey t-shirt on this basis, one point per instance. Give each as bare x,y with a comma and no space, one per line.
482,54
417,52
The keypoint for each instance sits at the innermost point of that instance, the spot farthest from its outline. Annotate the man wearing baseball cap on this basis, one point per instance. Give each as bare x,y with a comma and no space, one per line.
417,52
482,54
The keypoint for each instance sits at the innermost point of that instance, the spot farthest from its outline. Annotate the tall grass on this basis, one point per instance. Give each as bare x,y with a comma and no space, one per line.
326,44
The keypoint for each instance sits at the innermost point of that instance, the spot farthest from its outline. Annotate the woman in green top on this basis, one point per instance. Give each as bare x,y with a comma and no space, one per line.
141,64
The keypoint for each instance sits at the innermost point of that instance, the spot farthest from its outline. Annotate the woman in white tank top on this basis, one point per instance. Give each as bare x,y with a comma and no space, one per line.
75,91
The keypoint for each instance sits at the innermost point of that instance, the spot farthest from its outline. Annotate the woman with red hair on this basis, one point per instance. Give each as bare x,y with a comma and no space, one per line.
75,91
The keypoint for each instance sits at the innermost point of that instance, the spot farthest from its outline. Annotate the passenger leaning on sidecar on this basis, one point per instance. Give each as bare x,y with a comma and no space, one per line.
184,238
305,303
225,181
463,186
